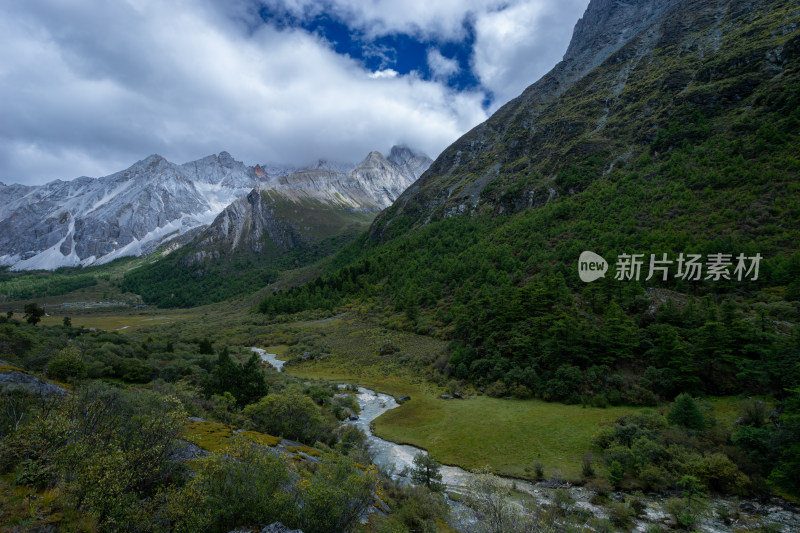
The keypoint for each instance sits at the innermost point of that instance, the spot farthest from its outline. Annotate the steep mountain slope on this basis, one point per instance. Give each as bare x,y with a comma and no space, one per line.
285,222
682,140
133,212
631,70
310,205
86,221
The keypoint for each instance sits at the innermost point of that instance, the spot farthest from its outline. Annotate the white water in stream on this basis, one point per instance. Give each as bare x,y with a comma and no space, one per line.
401,456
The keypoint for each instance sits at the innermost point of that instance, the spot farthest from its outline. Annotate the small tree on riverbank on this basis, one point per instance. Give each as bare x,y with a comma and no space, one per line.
427,472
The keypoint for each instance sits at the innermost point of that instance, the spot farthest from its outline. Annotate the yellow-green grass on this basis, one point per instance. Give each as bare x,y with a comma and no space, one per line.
508,436
112,322
305,449
260,438
215,436
281,351
211,436
24,509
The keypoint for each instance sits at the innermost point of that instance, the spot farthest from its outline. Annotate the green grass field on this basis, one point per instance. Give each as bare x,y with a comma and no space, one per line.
508,436
112,322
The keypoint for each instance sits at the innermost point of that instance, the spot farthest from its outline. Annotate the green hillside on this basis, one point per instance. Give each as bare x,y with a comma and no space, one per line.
683,142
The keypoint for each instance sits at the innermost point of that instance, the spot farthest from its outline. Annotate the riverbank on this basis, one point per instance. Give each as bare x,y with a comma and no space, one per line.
722,514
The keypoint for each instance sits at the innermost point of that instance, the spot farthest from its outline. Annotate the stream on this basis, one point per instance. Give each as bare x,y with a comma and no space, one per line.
747,514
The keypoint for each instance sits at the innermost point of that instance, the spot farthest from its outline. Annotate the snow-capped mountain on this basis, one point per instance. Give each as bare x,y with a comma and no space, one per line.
95,220
304,206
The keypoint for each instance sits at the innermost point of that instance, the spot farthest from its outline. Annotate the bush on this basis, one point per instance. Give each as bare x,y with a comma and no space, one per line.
335,498
615,473
686,413
67,365
246,485
290,415
497,389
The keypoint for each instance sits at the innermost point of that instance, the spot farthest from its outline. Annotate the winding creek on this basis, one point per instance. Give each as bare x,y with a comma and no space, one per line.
747,514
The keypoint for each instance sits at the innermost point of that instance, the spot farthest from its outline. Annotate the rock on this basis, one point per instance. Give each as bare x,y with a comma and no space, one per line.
747,507
387,349
186,451
353,417
278,527
27,381
458,395
446,397
402,399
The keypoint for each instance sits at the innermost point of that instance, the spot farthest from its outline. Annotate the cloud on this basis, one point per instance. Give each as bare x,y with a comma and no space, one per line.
515,41
517,45
442,67
440,19
88,88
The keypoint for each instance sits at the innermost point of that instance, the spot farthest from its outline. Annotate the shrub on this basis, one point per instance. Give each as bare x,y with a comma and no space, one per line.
615,473
497,389
686,413
67,365
290,415
246,485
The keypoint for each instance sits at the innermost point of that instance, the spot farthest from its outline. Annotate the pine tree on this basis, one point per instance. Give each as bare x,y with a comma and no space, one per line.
427,472
686,413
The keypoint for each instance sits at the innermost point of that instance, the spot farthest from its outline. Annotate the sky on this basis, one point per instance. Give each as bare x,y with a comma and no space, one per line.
89,87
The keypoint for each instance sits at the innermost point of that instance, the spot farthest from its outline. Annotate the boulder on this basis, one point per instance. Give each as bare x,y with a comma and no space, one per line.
387,349
31,383
402,399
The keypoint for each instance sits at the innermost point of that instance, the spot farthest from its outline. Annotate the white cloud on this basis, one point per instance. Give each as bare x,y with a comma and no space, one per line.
90,87
516,41
517,45
386,73
443,68
443,19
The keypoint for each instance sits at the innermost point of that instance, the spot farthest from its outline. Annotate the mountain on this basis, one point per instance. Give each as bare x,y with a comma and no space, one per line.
669,128
284,222
307,206
87,221
632,69
133,212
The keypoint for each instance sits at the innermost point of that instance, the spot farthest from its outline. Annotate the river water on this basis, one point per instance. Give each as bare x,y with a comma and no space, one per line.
400,458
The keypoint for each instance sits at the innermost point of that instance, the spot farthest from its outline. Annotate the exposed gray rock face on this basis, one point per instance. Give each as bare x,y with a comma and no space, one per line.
268,210
14,378
278,527
133,212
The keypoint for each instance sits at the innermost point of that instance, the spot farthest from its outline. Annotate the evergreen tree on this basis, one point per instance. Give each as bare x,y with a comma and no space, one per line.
427,471
33,313
686,413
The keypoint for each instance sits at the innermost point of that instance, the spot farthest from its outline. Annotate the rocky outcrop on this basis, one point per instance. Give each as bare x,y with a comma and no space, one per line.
16,378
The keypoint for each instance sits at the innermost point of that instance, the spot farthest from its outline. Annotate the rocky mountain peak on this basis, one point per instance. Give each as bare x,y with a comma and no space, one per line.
400,155
373,159
607,25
